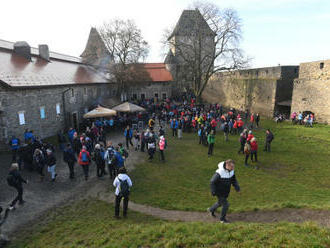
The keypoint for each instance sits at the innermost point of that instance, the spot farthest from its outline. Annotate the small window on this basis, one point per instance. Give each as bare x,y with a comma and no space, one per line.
143,96
21,117
164,96
295,70
58,108
321,65
72,92
85,91
266,71
42,113
156,95
134,96
114,92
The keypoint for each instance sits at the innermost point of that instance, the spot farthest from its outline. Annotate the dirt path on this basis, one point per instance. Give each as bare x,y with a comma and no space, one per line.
322,217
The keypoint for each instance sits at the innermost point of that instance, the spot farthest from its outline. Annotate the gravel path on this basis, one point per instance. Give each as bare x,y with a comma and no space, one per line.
43,196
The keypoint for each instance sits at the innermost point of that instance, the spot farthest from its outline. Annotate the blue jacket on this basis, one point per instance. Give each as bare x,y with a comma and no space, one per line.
174,124
14,143
119,159
130,133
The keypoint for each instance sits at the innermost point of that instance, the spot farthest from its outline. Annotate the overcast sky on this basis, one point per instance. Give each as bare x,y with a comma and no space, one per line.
285,32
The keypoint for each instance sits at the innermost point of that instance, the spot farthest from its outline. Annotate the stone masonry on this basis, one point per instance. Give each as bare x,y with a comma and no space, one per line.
258,90
312,90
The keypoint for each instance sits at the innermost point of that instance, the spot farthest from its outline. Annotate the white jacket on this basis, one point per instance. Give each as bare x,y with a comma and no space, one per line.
122,177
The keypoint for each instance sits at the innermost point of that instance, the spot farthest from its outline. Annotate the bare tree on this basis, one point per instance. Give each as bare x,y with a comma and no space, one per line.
207,45
126,46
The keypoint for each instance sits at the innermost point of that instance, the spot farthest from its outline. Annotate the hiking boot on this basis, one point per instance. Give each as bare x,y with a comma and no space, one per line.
211,213
224,221
11,208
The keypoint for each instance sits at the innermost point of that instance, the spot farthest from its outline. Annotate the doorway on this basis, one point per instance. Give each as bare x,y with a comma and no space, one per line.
75,123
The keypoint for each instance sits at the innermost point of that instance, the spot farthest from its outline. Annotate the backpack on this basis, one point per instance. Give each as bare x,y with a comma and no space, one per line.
247,148
84,157
12,180
110,157
123,188
125,153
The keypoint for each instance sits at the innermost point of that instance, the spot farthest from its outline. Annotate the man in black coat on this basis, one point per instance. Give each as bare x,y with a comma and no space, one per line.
15,180
220,187
70,158
269,139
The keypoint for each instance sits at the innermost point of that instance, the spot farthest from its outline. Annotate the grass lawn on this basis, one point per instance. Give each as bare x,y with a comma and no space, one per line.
295,174
89,223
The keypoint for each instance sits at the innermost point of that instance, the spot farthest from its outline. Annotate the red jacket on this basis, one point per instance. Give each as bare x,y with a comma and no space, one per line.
80,158
240,123
250,137
252,118
214,123
254,146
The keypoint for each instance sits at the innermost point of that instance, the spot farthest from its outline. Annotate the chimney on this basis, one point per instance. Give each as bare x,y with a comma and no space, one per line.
44,52
23,49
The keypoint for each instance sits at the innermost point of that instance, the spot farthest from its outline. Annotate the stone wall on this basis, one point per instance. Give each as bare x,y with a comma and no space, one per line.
312,90
258,90
78,99
151,89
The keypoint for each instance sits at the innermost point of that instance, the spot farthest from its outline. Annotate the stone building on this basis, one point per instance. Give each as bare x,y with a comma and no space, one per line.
191,40
263,90
311,90
45,91
155,82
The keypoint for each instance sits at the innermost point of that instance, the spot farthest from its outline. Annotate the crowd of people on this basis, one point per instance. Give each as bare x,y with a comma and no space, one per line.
181,115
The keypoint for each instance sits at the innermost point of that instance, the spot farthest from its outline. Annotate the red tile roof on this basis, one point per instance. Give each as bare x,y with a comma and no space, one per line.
154,72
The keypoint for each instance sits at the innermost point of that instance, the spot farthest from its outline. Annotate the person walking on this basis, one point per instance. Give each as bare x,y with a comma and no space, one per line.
51,163
14,179
84,160
211,141
247,151
70,158
110,159
151,147
39,162
254,149
226,130
257,119
269,139
99,160
128,133
14,145
162,144
123,184
242,140
220,185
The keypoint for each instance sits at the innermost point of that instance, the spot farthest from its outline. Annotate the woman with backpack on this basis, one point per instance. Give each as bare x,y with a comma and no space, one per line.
247,151
84,159
122,183
39,162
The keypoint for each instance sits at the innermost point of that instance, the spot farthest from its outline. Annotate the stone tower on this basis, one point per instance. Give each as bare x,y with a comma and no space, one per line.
95,52
191,29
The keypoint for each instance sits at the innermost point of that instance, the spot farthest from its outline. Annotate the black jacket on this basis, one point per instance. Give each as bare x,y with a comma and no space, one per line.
269,137
50,160
222,180
69,156
18,178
